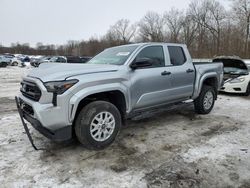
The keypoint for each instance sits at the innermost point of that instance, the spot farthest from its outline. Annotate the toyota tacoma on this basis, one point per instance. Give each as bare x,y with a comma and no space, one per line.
93,100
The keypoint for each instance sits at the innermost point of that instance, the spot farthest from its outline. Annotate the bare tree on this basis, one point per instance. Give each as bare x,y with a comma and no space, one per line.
209,14
151,27
122,31
190,28
242,11
175,21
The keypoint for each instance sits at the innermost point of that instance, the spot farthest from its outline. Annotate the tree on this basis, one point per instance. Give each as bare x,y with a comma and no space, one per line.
190,28
175,21
210,15
151,27
121,31
242,11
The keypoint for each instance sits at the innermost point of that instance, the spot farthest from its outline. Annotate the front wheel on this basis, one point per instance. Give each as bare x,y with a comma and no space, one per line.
248,90
98,124
205,102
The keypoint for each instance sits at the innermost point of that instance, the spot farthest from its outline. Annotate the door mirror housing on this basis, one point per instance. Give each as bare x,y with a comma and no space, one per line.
141,63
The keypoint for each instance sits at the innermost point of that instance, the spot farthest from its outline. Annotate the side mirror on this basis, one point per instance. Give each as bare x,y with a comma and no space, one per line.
141,63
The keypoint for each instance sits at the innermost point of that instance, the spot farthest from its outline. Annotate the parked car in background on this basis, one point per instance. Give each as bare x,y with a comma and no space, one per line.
37,60
85,59
58,59
19,60
9,57
77,59
236,75
45,59
69,59
4,62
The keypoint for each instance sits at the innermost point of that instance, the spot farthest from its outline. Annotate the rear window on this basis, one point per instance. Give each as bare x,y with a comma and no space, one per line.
177,56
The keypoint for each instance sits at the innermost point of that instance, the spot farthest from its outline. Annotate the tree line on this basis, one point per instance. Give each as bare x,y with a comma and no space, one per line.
206,27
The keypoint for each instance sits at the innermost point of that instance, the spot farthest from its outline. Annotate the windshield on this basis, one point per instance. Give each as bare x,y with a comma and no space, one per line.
114,56
53,59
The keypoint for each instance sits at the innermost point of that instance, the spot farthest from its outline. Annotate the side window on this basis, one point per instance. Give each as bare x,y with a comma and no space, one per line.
155,53
61,60
177,56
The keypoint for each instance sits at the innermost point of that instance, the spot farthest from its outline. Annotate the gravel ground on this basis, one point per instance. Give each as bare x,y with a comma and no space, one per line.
169,148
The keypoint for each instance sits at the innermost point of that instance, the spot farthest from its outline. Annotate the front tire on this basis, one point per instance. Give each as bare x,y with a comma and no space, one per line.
248,90
98,124
205,102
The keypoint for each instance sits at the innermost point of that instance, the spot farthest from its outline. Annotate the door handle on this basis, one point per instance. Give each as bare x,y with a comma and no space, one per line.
189,70
165,73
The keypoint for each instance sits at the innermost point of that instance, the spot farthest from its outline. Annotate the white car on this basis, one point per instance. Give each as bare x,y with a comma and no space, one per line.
236,75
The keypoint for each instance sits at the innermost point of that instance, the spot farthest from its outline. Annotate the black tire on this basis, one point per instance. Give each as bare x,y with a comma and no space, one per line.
85,118
15,63
199,105
248,90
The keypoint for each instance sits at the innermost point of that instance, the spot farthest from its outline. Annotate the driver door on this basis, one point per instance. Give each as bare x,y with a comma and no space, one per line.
150,85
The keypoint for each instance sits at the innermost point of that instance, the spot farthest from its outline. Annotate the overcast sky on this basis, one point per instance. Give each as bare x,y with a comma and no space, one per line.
57,21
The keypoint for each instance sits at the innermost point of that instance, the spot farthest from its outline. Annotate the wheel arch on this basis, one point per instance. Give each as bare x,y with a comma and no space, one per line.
115,96
207,79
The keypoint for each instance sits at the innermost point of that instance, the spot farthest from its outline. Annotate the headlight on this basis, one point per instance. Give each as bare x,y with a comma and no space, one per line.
59,87
237,80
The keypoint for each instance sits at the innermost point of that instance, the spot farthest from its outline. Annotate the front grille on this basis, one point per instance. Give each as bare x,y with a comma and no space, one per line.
30,90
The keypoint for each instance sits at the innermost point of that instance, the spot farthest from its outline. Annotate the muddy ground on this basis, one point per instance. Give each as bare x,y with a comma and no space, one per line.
171,148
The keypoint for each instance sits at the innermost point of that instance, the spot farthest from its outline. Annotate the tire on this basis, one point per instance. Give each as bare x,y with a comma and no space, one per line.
205,102
248,90
90,131
15,63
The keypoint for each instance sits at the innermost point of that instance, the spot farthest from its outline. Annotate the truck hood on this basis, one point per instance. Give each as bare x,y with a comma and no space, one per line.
61,71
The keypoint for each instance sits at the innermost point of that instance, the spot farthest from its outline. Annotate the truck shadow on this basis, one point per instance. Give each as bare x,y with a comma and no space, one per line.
139,124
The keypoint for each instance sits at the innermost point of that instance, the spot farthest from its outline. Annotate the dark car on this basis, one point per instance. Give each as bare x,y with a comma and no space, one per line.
69,59
77,59
85,59
58,59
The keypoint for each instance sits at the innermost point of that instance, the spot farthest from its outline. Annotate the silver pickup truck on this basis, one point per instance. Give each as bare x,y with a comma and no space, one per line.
93,100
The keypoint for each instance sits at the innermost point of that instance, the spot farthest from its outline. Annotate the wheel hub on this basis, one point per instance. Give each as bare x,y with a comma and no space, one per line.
208,100
102,126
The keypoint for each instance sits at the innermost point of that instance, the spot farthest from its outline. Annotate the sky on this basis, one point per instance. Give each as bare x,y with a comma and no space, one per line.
58,21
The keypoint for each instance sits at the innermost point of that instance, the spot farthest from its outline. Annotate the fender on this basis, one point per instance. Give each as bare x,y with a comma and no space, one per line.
199,84
79,96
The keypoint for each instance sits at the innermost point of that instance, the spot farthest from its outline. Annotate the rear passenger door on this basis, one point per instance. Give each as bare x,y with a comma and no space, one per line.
182,73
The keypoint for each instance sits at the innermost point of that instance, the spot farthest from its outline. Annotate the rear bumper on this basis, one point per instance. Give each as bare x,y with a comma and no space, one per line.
58,135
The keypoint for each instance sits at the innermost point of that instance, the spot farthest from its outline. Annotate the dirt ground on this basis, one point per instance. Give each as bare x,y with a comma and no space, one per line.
171,148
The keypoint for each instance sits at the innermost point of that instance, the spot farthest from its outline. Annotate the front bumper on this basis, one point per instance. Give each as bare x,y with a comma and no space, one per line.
234,87
61,134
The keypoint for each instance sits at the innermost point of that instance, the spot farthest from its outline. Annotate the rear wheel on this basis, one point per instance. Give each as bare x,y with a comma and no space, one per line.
248,90
98,124
205,102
